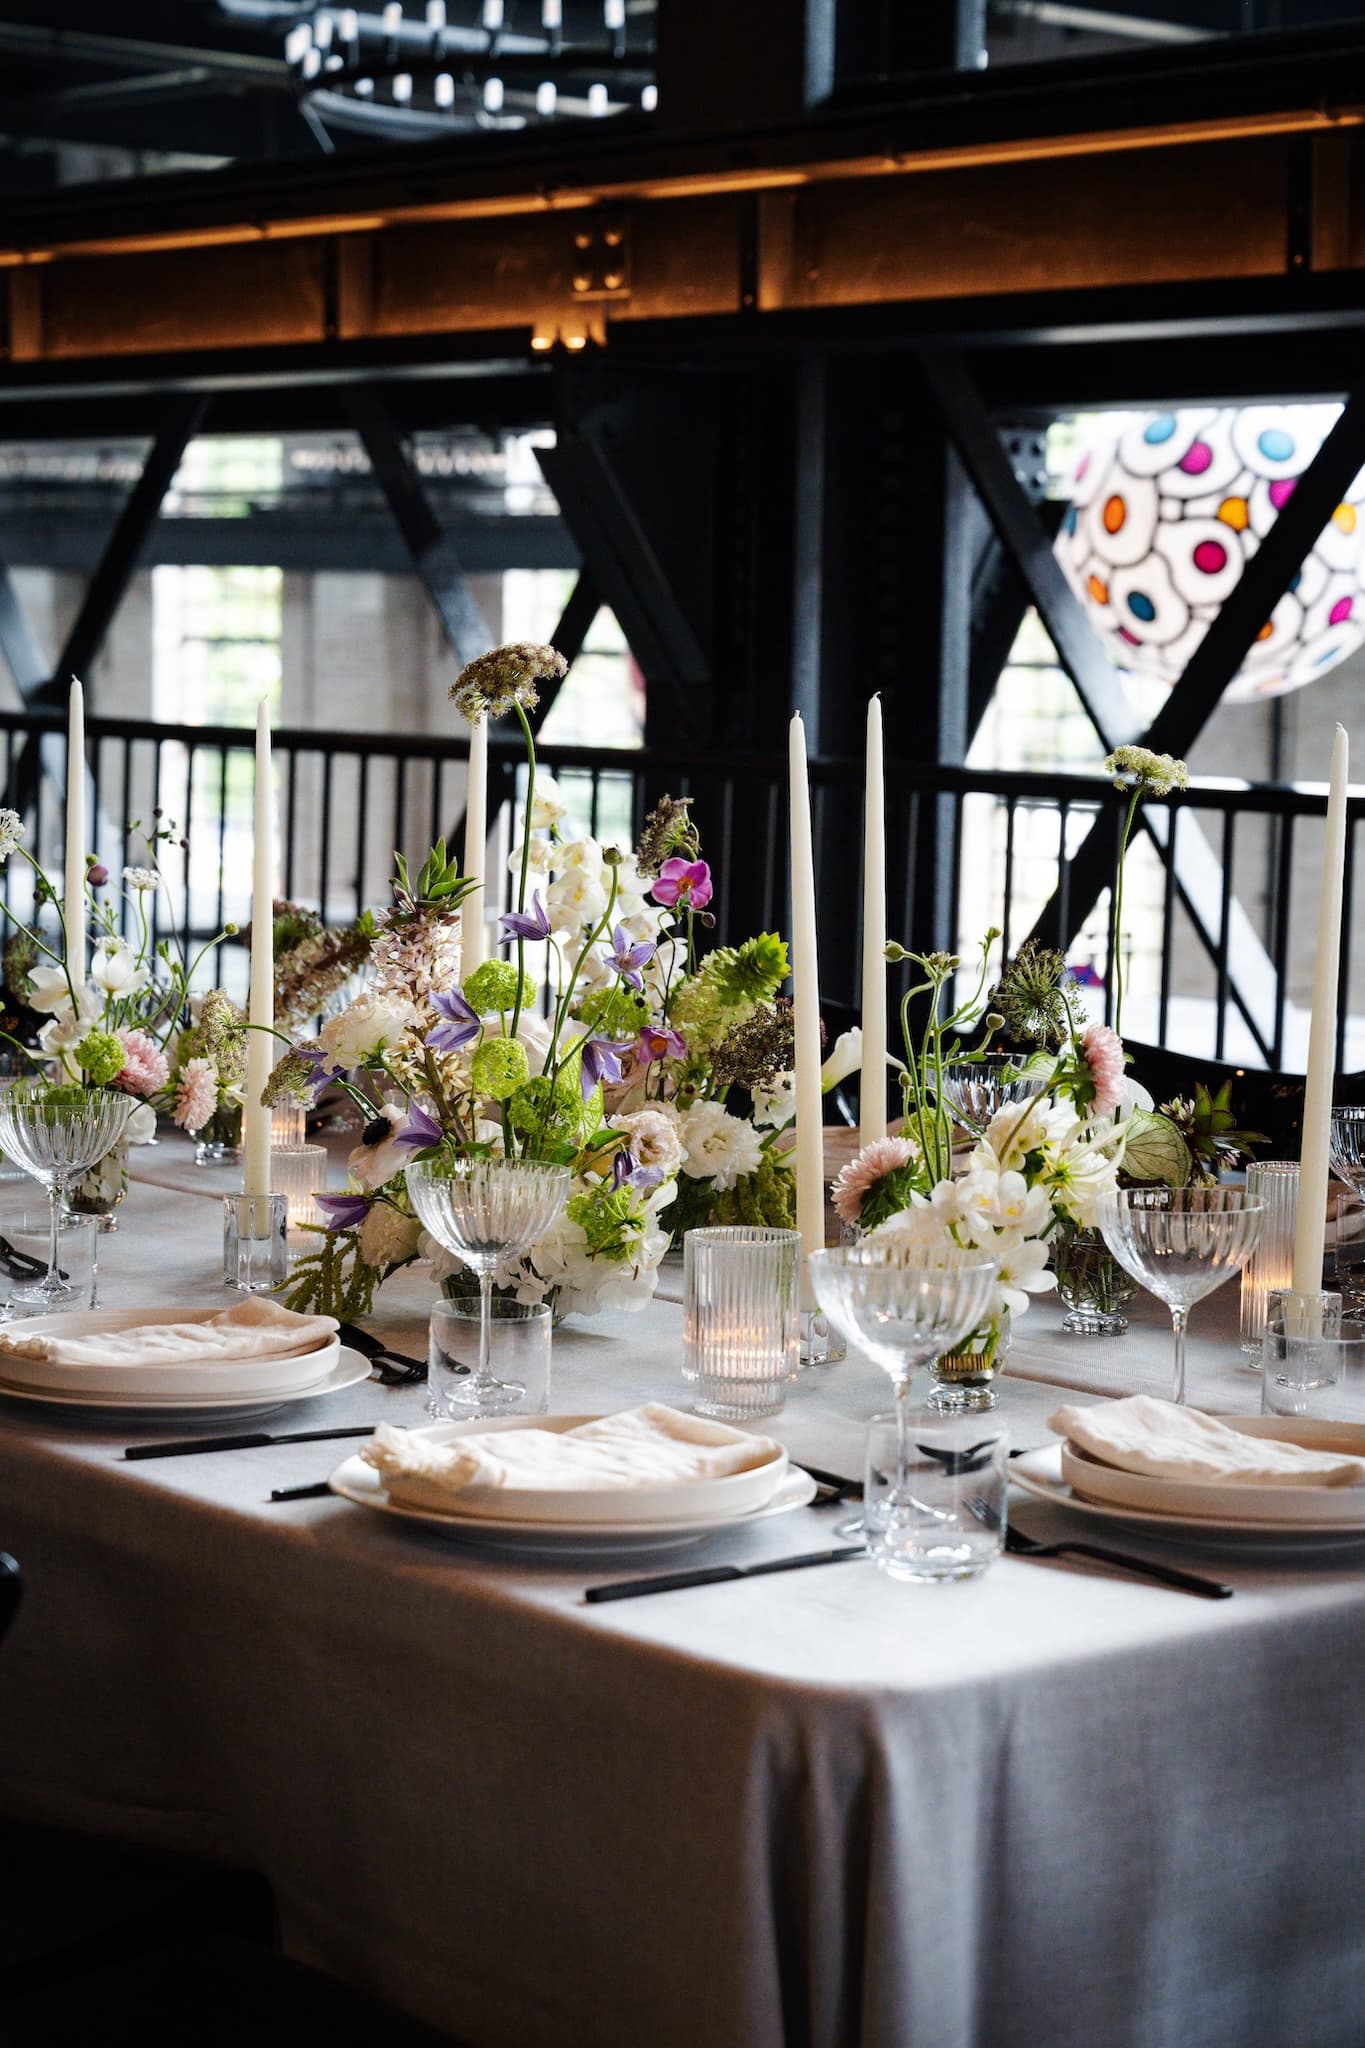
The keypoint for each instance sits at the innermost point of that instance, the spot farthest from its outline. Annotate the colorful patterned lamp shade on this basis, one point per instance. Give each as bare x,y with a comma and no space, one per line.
1163,520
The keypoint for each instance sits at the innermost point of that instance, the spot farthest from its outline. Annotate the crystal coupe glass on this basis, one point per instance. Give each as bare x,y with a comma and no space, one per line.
1181,1244
486,1211
57,1133
975,1089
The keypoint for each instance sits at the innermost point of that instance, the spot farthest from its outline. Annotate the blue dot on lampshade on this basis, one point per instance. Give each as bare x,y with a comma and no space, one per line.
1296,579
1141,606
1069,522
1275,444
1159,429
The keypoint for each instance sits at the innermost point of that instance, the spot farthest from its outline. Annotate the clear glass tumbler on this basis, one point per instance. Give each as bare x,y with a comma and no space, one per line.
1320,1378
939,1513
741,1318
1274,1182
518,1358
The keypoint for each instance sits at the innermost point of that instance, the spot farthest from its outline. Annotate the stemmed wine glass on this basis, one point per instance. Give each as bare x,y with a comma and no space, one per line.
1347,1147
975,1089
1181,1244
903,1305
56,1134
486,1210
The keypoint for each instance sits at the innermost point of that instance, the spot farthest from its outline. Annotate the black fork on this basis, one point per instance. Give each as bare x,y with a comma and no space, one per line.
1020,1545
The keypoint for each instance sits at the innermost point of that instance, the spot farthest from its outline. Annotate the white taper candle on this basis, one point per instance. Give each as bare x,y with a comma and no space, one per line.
1311,1221
261,1001
475,848
73,903
810,1164
872,1091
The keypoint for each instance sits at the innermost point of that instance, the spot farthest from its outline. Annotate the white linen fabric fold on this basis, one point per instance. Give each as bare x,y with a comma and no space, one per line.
651,1446
1163,1441
257,1328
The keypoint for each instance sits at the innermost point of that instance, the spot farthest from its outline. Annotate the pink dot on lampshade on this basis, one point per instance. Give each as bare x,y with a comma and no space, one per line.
1131,638
1281,491
1196,458
1340,612
1210,557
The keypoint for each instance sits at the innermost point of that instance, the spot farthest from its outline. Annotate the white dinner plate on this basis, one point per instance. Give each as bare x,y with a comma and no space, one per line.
1314,1507
348,1368
1039,1473
356,1481
226,1379
735,1493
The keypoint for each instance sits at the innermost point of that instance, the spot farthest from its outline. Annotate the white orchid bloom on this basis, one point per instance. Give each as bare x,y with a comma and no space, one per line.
845,1058
548,806
116,969
48,988
1023,1269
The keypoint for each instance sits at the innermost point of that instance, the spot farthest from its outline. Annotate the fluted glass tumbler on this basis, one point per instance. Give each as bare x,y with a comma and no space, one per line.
741,1318
1275,1184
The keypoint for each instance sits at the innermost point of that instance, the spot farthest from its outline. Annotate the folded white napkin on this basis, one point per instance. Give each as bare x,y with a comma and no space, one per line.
650,1446
257,1328
1139,1434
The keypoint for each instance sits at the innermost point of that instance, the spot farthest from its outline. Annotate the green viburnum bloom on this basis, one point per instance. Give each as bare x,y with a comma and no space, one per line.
617,1012
100,1055
492,987
609,1222
553,1112
499,1068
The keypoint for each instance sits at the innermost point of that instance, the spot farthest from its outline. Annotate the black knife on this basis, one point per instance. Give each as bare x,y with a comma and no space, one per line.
257,1440
716,1574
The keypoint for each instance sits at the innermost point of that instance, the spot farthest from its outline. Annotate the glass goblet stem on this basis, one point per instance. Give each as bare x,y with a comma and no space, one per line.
483,1378
1179,1319
54,1205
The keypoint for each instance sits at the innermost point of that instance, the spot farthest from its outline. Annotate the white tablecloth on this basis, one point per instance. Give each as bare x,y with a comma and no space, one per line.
1044,1809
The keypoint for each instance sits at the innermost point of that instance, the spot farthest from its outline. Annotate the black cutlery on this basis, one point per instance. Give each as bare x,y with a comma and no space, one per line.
254,1440
22,1265
392,1368
313,1492
1020,1545
717,1574
839,1487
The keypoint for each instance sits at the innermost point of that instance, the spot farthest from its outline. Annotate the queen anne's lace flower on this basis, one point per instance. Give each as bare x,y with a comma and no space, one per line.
11,832
142,878
1139,767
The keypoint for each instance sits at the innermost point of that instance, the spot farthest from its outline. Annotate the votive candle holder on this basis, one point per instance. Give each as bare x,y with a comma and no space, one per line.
741,1318
1276,1183
299,1173
255,1251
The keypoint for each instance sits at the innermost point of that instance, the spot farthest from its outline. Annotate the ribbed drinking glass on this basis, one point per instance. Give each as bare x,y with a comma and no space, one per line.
1181,1244
1275,1183
742,1317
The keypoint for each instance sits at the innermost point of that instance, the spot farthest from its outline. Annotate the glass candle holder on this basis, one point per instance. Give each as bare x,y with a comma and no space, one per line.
1276,1183
741,1318
288,1126
255,1251
300,1175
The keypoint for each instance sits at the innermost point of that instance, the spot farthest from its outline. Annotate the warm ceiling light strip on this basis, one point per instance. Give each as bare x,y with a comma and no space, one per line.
1307,120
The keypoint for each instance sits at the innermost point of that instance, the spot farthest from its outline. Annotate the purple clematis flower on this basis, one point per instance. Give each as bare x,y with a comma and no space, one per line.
527,924
683,881
461,1025
656,1042
600,1061
325,1069
626,1172
344,1212
420,1130
628,958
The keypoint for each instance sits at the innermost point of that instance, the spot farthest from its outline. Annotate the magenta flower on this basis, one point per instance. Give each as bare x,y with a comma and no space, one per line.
628,959
656,1042
687,882
527,924
461,1025
344,1212
600,1061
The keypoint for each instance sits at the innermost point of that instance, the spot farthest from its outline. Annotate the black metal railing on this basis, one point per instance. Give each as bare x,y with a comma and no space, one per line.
1221,898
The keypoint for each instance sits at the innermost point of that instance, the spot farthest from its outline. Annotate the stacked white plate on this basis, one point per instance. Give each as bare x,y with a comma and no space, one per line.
1072,1477
188,1385
563,1520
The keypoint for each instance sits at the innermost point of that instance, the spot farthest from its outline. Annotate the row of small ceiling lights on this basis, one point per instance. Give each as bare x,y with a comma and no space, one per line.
356,53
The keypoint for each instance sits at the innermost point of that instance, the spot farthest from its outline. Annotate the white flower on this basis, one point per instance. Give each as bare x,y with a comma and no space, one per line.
575,901
11,832
48,988
845,1058
67,1025
775,1107
387,1235
1023,1269
652,1135
370,1165
374,1020
717,1146
579,853
547,804
115,968
142,878
538,860
140,1128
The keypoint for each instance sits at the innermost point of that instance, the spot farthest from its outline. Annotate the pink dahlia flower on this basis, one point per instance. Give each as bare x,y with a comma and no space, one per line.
1103,1051
857,1180
196,1094
145,1067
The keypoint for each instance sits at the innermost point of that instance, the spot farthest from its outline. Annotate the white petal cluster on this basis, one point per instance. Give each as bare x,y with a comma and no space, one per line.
11,832
376,1019
717,1146
652,1135
116,969
388,1235
560,1263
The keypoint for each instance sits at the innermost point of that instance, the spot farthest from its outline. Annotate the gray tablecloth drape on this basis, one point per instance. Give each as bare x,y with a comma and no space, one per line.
1045,1809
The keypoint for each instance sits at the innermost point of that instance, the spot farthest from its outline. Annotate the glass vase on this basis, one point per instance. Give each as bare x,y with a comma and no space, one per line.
965,1377
219,1141
101,1188
1093,1284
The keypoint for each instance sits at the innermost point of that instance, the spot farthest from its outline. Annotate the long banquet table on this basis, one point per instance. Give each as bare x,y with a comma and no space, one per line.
1048,1808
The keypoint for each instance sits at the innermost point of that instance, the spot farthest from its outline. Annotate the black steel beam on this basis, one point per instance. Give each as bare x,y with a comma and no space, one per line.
627,571
181,420
433,552
325,540
1078,648
1215,661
